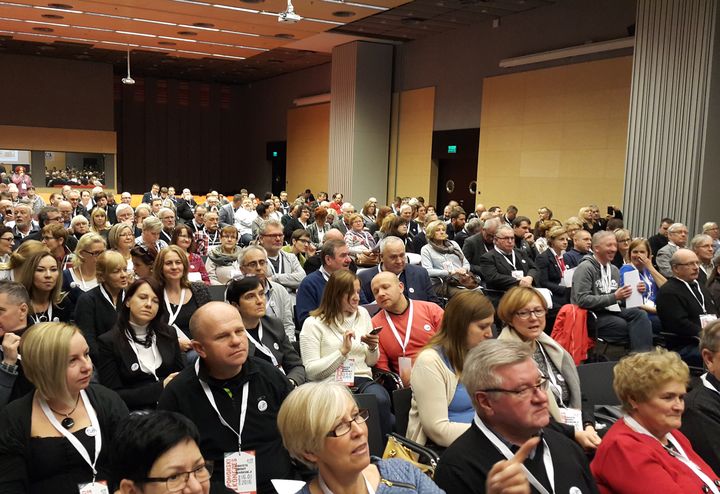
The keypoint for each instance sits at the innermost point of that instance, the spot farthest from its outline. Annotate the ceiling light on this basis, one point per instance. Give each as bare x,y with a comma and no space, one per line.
195,26
48,23
154,22
130,33
357,4
128,80
178,39
573,51
227,56
239,32
239,9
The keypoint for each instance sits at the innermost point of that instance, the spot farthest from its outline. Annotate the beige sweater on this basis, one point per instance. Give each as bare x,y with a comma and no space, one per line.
434,386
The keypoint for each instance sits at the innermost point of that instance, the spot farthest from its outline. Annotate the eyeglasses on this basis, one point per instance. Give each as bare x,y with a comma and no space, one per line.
273,235
303,240
9,239
177,482
229,237
93,254
693,263
525,314
504,238
524,392
345,427
47,238
127,235
262,263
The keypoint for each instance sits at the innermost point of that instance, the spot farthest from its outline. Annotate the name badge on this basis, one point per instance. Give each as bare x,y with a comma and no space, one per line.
241,472
97,487
346,372
404,369
517,274
570,416
706,319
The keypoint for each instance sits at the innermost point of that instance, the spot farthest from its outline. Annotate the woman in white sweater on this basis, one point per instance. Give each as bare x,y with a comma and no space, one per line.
336,344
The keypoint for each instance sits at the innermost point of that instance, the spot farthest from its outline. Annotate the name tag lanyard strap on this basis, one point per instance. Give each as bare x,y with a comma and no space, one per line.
408,327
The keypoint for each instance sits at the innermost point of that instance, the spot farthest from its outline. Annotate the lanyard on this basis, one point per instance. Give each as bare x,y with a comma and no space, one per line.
559,260
279,270
212,240
679,453
700,300
408,327
173,315
94,423
557,390
326,490
505,451
606,278
648,284
211,399
154,367
38,318
504,256
106,296
261,346
80,279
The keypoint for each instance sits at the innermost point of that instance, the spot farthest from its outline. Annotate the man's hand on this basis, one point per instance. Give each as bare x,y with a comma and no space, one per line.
526,281
623,293
10,344
507,476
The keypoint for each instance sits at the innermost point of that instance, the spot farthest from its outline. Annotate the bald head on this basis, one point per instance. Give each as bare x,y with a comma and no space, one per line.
205,320
334,234
388,292
685,265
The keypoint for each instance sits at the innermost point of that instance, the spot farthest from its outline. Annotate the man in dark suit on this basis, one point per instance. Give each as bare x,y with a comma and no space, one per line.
227,212
415,279
524,239
505,266
186,206
660,239
478,245
77,208
684,306
153,194
702,245
471,228
509,395
457,223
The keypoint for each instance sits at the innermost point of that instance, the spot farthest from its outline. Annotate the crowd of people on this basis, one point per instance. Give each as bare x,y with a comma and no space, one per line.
124,368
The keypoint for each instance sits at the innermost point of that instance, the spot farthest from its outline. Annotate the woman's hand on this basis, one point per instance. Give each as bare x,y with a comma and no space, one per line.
170,377
185,344
646,261
588,438
347,342
371,340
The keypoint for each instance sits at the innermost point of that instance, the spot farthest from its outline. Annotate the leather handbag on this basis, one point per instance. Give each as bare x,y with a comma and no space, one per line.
466,280
421,457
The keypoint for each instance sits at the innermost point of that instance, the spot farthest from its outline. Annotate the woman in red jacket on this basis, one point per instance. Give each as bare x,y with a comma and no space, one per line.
644,451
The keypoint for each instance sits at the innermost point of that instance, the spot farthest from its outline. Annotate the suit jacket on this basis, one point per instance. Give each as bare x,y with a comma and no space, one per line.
663,259
275,339
340,225
497,270
94,316
227,215
148,197
551,276
186,209
119,369
290,227
466,463
415,279
680,311
701,422
413,228
80,211
473,249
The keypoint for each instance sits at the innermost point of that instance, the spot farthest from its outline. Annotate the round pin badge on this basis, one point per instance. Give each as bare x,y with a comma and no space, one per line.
411,290
56,319
427,327
134,367
276,346
574,490
262,405
91,431
73,284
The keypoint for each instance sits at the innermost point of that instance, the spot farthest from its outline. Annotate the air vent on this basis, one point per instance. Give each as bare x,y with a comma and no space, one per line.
52,16
43,29
187,33
284,36
343,13
61,6
203,24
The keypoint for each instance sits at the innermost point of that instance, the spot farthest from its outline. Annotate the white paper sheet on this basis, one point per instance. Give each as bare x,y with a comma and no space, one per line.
567,277
635,299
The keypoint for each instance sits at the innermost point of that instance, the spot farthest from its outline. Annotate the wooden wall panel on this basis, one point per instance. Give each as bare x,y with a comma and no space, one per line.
308,145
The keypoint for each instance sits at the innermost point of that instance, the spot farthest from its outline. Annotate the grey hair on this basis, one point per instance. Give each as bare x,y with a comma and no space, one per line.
492,222
164,210
710,337
697,239
144,206
709,226
15,291
474,225
122,206
247,250
504,227
675,226
390,239
152,224
265,224
481,363
600,236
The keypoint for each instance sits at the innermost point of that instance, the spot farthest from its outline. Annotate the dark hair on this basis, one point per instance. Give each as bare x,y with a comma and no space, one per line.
300,210
4,230
43,214
261,209
667,220
141,438
146,254
519,219
159,323
239,287
176,233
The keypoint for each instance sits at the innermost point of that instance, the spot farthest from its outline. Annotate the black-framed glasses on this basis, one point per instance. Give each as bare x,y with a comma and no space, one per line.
177,482
525,314
254,264
344,427
9,239
524,392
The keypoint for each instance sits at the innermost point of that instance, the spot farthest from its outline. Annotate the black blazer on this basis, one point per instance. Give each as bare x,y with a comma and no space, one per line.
119,369
186,209
473,249
276,340
94,316
679,311
550,277
497,271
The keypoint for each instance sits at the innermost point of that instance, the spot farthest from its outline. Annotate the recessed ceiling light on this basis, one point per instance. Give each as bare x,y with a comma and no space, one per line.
187,33
343,13
43,29
62,6
284,36
203,24
52,16
166,43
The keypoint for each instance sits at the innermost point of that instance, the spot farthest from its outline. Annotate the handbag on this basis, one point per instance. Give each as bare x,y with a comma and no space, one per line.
425,459
465,280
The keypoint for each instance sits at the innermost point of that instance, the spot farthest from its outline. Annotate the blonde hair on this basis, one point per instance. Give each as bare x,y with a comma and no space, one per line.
340,285
432,227
26,249
639,376
107,263
115,231
26,276
98,212
84,243
515,299
45,349
308,414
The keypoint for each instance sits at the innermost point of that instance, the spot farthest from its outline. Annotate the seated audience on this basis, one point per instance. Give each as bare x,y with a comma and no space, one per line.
641,261
41,278
623,239
298,220
685,306
524,239
282,268
300,246
150,236
81,277
509,394
266,333
361,243
441,409
407,325
140,355
122,240
159,450
582,246
210,394
523,311
182,236
442,258
713,283
677,238
336,344
551,266
645,447
596,288
14,307
505,266
222,264
143,261
479,244
660,239
368,213
48,437
21,254
702,246
323,428
398,228
319,227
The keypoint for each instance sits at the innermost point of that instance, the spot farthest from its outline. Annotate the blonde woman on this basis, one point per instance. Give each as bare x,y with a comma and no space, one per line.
41,277
81,276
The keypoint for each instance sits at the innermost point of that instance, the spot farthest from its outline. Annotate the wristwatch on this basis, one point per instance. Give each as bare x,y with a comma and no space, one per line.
9,368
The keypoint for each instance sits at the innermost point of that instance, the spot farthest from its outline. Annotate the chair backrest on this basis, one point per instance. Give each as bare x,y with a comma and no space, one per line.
402,399
375,440
217,293
596,382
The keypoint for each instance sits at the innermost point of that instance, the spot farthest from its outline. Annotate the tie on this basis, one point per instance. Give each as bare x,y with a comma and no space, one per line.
696,290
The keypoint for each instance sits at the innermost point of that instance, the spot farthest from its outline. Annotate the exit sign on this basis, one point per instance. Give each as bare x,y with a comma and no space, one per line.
452,149
275,154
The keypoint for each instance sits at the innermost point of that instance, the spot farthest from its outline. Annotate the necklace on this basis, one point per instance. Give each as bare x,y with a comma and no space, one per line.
67,422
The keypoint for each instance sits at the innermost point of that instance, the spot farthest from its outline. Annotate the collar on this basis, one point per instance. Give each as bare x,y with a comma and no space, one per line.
407,306
234,382
713,380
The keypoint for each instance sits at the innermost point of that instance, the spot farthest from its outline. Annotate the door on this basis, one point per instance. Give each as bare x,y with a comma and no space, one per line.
456,177
277,156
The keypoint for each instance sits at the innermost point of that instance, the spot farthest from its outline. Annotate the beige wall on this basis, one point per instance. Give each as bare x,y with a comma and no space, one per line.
411,170
555,137
308,144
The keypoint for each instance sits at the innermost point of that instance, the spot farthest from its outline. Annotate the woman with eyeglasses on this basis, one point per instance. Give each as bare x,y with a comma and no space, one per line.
41,277
222,264
140,355
7,242
158,452
441,409
318,228
301,245
182,236
55,238
82,277
641,261
96,310
622,256
121,239
523,311
57,439
323,428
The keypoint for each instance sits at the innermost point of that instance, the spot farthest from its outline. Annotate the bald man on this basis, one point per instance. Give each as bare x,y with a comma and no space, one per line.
222,382
407,324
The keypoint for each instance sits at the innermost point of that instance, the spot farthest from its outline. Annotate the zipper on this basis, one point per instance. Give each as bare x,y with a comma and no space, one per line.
404,485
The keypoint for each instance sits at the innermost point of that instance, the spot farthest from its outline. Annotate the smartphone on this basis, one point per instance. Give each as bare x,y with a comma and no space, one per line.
376,330
610,210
